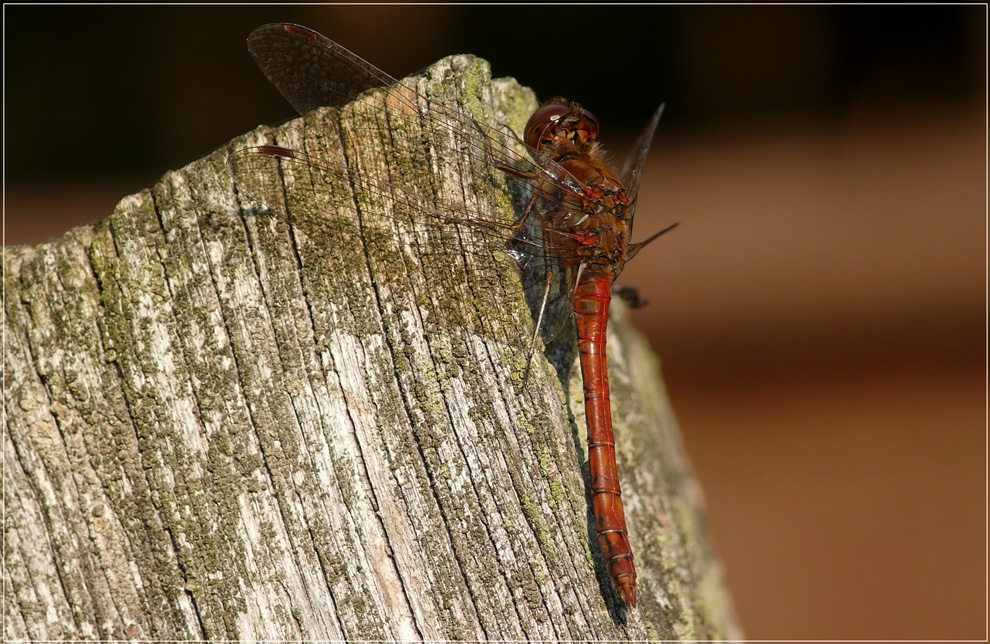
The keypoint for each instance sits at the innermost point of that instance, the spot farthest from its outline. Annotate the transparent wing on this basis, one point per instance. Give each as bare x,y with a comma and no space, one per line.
632,171
311,191
311,70
321,198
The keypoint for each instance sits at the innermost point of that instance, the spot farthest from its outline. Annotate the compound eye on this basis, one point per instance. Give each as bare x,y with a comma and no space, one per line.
543,124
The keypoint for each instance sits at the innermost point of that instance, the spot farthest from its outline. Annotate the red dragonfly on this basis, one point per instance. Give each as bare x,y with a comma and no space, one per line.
579,215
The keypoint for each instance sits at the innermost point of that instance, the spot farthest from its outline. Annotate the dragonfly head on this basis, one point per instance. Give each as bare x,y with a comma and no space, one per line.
558,120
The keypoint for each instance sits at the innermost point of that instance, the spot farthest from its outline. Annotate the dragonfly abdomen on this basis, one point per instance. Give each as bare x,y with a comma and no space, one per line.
591,300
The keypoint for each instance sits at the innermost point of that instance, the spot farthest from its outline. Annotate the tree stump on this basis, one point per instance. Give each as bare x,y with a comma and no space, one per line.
222,425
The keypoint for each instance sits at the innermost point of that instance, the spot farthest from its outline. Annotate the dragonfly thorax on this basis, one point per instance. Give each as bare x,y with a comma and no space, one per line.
594,240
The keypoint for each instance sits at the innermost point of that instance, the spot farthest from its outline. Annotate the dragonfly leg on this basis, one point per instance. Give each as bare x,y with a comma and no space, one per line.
543,308
635,248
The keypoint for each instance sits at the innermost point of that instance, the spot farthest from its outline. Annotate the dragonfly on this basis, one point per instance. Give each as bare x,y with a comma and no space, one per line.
577,218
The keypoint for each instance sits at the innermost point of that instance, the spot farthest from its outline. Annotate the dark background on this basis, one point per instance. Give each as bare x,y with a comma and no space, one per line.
820,313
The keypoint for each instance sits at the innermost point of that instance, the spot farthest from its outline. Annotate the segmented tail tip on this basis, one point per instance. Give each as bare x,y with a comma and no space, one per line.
627,593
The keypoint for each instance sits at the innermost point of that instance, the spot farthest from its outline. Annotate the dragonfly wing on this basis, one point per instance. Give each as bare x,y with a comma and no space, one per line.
311,70
316,193
632,172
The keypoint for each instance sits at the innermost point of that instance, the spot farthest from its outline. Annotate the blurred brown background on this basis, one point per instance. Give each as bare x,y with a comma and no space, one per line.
820,313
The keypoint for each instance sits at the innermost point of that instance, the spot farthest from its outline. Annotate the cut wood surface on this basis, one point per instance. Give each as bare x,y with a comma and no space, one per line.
222,425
